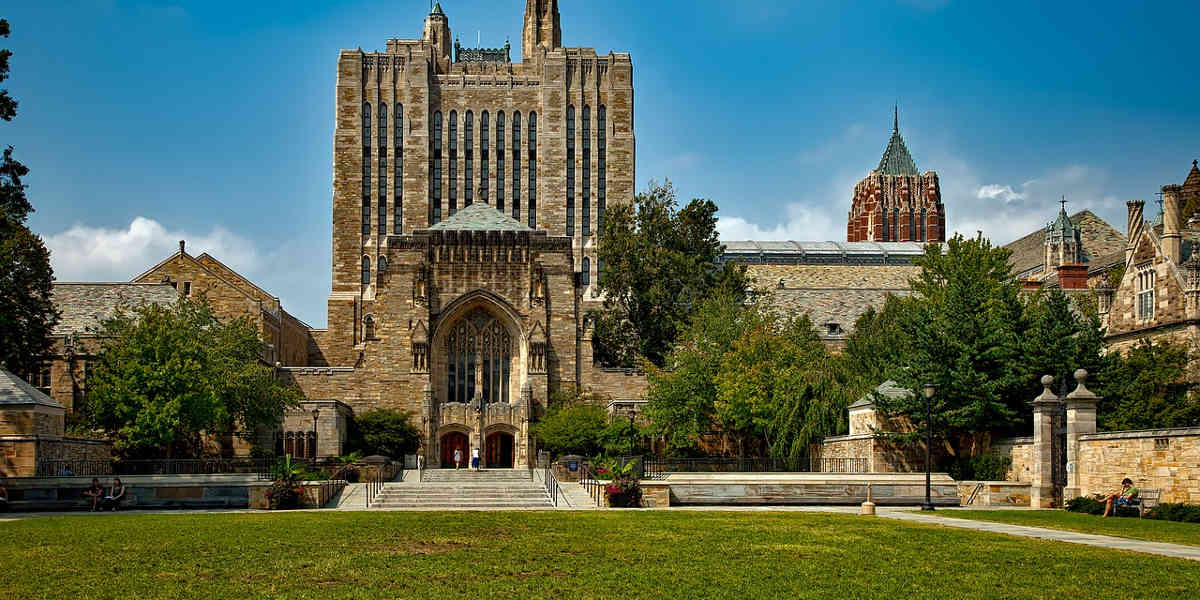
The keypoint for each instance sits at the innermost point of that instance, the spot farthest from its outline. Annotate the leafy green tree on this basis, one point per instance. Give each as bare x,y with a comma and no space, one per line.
572,429
876,346
1057,338
27,315
386,432
166,374
1146,388
660,262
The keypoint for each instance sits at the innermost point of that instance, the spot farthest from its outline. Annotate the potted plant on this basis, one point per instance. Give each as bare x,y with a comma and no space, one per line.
285,490
349,468
623,490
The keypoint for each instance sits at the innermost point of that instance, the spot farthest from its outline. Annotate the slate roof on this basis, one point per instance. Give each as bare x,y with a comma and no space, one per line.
480,216
888,388
1193,179
1098,239
14,390
84,306
896,160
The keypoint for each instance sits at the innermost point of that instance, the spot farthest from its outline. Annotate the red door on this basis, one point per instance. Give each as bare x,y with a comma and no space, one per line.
452,441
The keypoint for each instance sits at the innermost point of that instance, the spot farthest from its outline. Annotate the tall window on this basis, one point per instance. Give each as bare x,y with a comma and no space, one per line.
366,271
500,161
398,184
487,346
884,212
383,143
516,166
587,271
1145,292
532,170
896,224
366,169
924,229
912,224
483,156
453,162
469,149
570,171
586,198
601,172
382,267
435,203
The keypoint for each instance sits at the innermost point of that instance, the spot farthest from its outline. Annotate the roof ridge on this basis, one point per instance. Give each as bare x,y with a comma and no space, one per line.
480,216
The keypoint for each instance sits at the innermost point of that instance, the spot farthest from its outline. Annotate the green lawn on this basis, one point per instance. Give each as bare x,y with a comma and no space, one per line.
603,554
1129,527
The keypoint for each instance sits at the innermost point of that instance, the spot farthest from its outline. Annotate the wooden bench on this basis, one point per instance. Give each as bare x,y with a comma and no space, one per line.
1141,504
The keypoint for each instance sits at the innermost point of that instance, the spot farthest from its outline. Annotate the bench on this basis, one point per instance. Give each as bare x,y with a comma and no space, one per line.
1142,503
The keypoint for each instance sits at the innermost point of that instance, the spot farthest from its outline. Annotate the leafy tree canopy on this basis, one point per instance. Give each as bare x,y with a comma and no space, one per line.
386,432
1146,388
659,262
165,374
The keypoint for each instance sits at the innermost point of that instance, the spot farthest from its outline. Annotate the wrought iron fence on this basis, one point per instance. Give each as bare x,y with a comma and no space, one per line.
551,483
595,487
188,466
376,479
657,467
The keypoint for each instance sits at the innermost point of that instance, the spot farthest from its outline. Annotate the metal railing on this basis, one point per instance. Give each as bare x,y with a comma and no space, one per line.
378,477
168,466
551,483
657,468
595,487
328,488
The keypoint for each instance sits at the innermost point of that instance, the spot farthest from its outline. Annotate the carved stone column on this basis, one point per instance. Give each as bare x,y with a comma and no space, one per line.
1081,420
1044,407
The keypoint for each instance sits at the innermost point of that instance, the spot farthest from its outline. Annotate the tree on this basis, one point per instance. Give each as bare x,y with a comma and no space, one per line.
659,263
167,374
1057,338
386,432
27,315
1146,388
572,429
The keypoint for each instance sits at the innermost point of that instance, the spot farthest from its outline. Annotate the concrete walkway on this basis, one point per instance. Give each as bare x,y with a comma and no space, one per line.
1072,537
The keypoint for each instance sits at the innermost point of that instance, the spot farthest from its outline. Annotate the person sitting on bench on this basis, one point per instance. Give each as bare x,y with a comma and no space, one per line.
95,492
115,494
1125,497
3,496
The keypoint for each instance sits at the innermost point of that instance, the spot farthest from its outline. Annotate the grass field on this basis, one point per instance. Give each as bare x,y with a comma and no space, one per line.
1139,529
603,554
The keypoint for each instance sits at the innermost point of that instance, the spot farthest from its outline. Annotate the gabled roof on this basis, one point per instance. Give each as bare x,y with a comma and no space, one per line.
480,216
1096,237
1193,179
896,160
84,306
14,390
888,388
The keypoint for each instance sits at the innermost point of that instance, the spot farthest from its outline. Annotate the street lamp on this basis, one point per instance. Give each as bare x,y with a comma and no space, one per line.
316,413
928,390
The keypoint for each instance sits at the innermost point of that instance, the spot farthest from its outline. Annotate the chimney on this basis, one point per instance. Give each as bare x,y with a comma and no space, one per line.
1172,215
1073,277
1131,226
181,244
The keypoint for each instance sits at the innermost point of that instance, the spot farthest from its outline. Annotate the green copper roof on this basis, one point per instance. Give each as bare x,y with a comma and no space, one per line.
1062,227
437,9
480,216
896,159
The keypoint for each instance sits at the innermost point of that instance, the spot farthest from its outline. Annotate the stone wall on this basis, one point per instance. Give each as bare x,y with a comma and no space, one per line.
618,384
1164,459
993,493
1020,451
19,454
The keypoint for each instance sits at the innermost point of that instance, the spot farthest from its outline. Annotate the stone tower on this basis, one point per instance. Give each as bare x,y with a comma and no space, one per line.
1062,241
542,31
437,35
895,202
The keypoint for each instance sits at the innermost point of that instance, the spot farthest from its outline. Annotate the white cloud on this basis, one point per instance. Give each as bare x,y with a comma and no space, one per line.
992,191
800,222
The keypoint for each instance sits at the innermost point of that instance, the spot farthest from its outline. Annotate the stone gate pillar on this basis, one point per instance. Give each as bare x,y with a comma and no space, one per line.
1044,407
1081,420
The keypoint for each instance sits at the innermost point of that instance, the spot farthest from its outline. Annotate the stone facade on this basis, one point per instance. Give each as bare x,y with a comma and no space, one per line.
1020,452
895,202
1165,459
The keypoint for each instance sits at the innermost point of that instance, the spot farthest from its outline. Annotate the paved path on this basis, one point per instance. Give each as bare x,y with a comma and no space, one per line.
1089,539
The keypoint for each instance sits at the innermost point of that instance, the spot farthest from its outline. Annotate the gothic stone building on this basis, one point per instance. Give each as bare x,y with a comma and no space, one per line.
468,191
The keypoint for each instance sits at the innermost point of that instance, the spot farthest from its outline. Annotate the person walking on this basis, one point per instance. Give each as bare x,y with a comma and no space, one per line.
475,459
457,457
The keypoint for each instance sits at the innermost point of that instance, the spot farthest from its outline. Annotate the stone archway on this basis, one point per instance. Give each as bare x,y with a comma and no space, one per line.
477,352
449,442
500,450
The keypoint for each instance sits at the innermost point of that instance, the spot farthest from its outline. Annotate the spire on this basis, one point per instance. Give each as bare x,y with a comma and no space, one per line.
896,119
437,9
896,159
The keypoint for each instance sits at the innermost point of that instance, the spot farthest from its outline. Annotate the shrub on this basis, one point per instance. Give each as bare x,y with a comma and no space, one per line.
1086,505
572,429
987,467
1169,511
284,492
386,432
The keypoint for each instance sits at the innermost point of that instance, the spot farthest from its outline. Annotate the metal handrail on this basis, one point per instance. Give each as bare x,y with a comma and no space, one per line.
658,467
375,482
167,466
595,488
551,483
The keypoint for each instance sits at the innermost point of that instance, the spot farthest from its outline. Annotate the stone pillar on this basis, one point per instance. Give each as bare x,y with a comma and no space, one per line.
1044,406
1081,420
429,425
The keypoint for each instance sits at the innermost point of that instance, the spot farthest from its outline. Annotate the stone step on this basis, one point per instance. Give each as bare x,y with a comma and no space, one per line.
463,506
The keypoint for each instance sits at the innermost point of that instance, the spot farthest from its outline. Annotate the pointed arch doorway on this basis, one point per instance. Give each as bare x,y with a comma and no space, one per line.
498,450
455,440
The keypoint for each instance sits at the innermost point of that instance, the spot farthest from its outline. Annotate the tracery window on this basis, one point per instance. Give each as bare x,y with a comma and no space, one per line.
532,170
601,171
516,166
366,169
483,156
478,341
453,162
1145,292
500,161
382,223
469,151
435,204
586,197
398,184
570,171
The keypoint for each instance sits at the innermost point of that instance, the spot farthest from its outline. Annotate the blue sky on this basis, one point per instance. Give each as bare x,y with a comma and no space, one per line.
147,122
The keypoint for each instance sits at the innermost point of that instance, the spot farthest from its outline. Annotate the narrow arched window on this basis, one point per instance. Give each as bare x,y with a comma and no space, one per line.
483,156
435,181
383,144
586,197
570,171
587,271
884,214
366,270
366,169
601,172
532,170
896,224
398,185
382,265
924,231
469,155
500,161
453,162
368,327
516,166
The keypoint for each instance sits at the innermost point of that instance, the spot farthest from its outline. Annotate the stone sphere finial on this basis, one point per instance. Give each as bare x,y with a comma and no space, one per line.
1081,375
1048,380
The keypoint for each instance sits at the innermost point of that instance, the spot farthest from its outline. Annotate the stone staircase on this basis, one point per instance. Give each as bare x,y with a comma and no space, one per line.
447,489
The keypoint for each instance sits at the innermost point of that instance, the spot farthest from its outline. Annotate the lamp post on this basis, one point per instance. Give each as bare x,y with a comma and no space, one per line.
928,390
316,413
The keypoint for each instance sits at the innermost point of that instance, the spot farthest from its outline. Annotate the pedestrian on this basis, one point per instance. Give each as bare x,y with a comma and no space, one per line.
475,458
457,457
95,492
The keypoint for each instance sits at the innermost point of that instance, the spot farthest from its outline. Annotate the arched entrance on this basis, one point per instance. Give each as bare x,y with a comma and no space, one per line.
499,450
450,442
